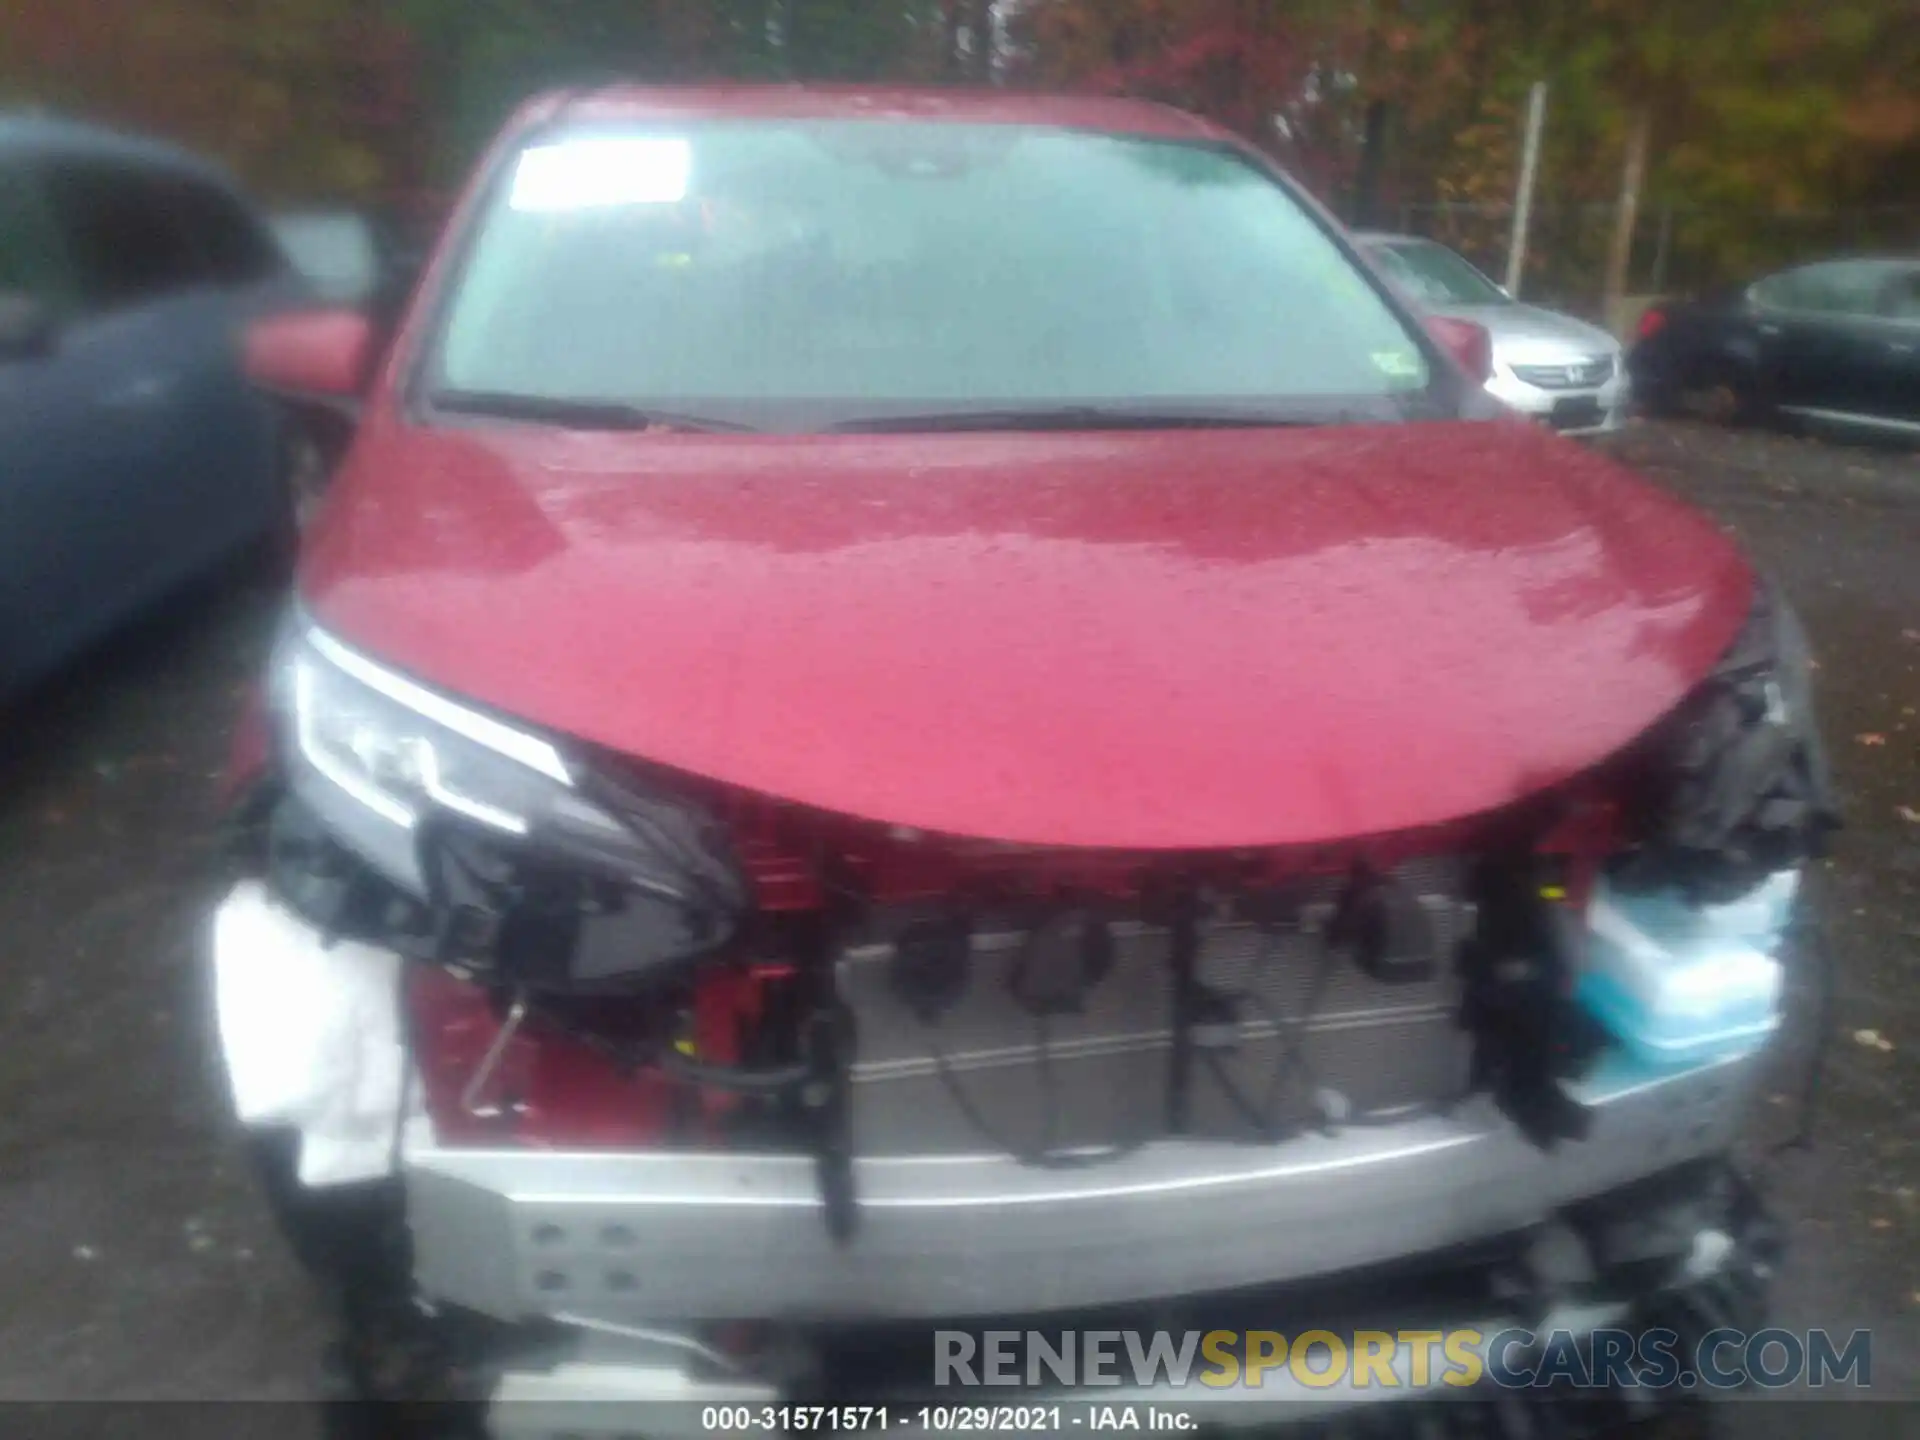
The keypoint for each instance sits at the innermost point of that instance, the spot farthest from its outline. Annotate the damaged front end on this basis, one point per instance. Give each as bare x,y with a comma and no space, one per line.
686,1088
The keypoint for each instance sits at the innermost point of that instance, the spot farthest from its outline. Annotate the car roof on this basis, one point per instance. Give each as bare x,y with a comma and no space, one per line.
1865,258
1110,114
40,136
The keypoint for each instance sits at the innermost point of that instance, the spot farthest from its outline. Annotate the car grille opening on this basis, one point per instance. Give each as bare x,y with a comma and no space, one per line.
1575,375
1311,1036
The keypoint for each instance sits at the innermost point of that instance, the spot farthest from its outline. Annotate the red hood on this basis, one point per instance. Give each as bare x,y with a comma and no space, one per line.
1197,639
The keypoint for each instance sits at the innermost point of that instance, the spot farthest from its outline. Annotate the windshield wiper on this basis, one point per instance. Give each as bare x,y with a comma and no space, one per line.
587,414
1075,417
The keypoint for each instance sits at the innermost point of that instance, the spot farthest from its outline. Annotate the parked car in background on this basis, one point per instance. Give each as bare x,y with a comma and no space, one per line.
133,455
337,251
1552,366
1833,343
354,257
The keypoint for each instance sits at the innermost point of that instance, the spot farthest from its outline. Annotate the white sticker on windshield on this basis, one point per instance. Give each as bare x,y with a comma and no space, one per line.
597,173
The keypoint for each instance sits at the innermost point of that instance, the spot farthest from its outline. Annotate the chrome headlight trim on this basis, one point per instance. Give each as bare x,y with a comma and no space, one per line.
529,750
374,753
397,773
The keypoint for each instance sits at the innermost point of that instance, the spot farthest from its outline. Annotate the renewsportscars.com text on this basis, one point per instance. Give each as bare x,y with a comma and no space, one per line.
1321,1360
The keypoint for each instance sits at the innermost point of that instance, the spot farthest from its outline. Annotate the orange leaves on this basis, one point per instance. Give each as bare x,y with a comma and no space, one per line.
1886,114
308,97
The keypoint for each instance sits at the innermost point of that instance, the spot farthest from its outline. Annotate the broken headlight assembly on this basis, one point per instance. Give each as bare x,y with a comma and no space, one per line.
528,859
1684,930
1738,788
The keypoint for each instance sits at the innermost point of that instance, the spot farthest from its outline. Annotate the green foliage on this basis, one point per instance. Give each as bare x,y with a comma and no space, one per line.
1756,105
302,97
485,56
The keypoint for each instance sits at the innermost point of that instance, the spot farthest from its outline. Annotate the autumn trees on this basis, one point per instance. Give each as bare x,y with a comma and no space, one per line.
310,95
1725,112
1388,108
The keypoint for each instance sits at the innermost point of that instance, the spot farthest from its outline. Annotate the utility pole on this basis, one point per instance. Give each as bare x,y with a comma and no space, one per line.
1627,212
1662,248
1523,202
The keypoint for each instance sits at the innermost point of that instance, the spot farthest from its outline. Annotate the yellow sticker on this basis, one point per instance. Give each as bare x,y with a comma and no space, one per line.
1401,364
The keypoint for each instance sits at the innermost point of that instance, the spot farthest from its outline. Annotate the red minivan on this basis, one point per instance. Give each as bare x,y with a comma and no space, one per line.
915,711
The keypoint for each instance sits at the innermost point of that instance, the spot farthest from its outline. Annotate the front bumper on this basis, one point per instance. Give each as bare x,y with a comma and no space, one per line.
637,1258
1689,1254
631,1238
1602,409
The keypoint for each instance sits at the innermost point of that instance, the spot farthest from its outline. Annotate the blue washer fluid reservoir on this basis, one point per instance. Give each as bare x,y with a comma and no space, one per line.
1677,983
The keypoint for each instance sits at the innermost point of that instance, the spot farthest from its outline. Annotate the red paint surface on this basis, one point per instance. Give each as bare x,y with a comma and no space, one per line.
549,1091
1231,638
780,845
310,352
1470,345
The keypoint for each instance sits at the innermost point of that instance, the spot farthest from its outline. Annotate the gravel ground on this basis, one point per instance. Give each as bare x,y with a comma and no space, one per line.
1839,527
138,1261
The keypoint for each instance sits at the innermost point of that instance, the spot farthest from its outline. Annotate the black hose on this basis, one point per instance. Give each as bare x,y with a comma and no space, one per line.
1044,1158
771,1081
739,1080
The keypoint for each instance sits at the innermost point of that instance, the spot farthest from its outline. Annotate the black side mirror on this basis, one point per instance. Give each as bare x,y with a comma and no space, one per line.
27,327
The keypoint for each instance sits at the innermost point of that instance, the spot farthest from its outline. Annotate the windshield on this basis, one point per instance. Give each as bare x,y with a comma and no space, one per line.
852,267
1434,275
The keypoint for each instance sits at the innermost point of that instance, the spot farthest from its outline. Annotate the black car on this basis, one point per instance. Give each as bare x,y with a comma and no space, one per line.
1834,343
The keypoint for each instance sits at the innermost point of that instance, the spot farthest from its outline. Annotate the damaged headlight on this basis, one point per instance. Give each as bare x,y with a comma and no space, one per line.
1680,961
375,754
1741,787
467,811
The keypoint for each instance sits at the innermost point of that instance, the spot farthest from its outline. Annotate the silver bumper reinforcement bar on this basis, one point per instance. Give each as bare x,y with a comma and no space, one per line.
633,1238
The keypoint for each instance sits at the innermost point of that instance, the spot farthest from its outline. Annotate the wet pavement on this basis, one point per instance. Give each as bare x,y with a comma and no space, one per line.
1838,526
138,1262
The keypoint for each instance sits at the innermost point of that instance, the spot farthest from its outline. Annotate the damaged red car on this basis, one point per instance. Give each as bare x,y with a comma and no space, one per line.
912,712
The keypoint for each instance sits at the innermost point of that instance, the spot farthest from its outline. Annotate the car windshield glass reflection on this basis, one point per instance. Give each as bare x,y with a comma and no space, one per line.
1434,275
859,266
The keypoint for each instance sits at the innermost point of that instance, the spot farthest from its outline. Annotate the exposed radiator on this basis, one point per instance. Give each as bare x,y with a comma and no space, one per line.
1361,1045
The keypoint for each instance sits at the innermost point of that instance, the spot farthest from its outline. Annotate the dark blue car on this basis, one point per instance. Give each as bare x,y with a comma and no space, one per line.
1834,345
133,456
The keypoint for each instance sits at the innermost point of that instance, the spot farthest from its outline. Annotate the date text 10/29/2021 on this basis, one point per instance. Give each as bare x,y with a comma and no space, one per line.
985,1419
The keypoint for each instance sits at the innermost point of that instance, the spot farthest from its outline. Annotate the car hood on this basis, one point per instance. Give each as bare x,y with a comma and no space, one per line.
1527,333
1226,638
